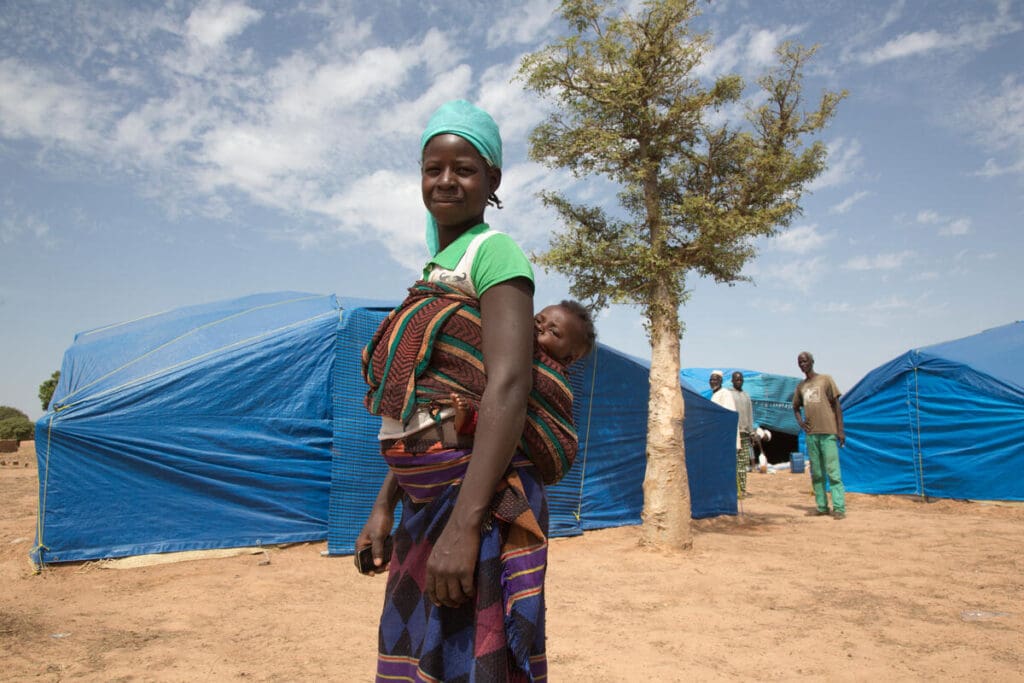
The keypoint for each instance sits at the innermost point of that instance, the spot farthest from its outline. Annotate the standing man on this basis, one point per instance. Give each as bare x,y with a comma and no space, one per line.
822,419
745,427
725,399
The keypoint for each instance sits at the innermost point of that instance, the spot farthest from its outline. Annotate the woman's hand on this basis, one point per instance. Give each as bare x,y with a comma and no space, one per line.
452,565
380,522
377,528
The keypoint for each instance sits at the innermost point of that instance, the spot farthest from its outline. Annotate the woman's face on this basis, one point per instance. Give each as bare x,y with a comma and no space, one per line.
456,182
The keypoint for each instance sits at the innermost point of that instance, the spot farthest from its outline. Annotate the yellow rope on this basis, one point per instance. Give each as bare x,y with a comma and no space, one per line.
41,507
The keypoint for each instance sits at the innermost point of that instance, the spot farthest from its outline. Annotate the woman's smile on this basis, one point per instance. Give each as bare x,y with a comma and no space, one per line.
456,182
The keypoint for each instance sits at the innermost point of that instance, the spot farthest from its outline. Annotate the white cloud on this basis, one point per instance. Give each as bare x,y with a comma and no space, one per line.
198,118
847,204
15,227
214,23
207,35
519,111
524,217
162,132
747,51
893,14
525,23
801,274
300,126
762,46
906,45
948,227
844,160
956,228
977,35
993,169
998,122
253,159
37,103
799,240
890,261
384,207
406,118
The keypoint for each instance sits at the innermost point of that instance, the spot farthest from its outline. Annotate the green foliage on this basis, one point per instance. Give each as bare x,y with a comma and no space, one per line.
695,191
47,388
20,428
8,412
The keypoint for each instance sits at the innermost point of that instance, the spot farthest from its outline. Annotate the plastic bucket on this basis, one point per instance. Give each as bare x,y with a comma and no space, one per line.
796,463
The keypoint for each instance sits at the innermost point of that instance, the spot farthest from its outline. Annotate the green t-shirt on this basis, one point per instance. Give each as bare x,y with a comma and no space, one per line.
479,258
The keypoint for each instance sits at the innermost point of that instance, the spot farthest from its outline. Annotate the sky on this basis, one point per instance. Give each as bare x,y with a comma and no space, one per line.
160,155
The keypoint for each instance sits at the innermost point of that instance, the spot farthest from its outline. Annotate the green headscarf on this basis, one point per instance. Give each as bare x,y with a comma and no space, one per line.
474,125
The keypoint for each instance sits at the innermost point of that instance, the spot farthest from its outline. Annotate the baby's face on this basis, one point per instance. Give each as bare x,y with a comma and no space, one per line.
560,333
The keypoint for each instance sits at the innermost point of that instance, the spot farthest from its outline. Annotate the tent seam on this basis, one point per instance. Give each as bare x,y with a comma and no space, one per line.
183,336
917,418
183,363
586,441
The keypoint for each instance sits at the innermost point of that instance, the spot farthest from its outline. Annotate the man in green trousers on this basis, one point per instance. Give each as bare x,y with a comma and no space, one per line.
822,420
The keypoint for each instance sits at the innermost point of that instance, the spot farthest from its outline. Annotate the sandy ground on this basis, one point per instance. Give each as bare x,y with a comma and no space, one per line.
899,590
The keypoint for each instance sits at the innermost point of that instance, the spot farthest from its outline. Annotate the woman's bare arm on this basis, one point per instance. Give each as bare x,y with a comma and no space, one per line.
506,313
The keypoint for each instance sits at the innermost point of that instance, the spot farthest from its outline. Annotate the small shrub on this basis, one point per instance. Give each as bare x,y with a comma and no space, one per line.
20,428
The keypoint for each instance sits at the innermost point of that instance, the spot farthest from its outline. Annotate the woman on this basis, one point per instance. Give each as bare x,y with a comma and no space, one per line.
464,598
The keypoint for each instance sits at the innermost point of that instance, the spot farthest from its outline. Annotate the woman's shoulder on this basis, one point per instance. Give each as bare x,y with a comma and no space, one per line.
498,242
499,258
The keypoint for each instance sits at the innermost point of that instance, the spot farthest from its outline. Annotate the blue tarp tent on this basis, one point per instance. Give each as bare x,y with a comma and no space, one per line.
241,423
203,427
604,487
771,395
941,421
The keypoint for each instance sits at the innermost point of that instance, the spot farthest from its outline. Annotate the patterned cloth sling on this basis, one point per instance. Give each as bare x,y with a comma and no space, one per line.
430,346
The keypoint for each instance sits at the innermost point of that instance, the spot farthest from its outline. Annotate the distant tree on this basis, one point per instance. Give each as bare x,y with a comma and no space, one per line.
695,189
8,411
47,388
20,428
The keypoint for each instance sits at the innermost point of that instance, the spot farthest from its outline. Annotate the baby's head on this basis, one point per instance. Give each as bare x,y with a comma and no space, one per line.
565,331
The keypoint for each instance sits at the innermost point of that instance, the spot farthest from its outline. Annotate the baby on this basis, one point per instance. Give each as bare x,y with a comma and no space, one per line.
565,332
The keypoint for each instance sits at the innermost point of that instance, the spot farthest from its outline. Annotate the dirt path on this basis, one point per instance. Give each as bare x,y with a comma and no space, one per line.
900,590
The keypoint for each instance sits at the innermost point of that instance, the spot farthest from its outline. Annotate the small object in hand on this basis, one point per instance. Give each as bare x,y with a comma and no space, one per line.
364,557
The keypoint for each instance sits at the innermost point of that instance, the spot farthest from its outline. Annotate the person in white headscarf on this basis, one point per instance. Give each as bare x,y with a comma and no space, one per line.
725,399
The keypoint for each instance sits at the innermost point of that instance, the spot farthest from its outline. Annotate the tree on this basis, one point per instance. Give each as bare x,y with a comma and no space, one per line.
15,424
693,193
47,388
8,411
19,428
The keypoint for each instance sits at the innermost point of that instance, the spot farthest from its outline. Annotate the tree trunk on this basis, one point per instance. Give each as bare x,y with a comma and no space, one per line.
666,513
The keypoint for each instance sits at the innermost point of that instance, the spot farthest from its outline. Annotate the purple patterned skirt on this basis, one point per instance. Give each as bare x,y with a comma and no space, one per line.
498,636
